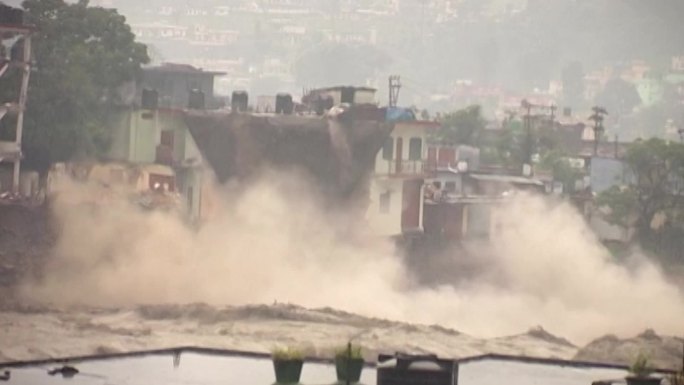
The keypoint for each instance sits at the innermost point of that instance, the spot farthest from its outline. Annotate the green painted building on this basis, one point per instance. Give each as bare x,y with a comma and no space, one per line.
161,136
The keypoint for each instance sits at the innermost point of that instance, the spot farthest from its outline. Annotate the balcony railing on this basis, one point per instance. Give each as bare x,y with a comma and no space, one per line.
413,167
403,167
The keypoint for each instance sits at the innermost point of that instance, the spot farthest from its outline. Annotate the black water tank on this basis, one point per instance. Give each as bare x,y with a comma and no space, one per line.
196,100
403,369
239,101
323,104
11,15
284,104
347,95
150,99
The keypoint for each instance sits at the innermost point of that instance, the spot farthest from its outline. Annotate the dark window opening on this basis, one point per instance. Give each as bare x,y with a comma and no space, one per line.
415,149
388,149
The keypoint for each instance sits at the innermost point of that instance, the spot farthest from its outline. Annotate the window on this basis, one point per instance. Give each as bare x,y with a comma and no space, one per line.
450,186
159,182
388,149
415,149
385,202
167,138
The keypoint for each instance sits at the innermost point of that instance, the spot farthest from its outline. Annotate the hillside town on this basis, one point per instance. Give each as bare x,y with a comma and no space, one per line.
267,47
310,135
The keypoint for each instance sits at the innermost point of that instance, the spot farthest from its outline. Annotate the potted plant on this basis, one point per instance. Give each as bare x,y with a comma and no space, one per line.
349,363
287,363
641,372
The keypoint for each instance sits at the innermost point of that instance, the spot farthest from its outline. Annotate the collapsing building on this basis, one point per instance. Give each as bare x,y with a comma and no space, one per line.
332,136
336,146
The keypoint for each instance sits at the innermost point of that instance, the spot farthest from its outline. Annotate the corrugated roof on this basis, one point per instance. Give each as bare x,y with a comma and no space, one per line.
181,68
512,179
213,366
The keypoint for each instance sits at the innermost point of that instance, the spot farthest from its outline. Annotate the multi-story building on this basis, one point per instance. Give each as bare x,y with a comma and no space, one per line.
396,204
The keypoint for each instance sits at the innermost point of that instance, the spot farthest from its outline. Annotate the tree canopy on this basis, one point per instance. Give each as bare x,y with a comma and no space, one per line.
654,202
619,96
82,56
463,126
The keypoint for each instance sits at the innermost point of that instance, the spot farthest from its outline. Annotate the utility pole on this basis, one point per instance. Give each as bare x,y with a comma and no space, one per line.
529,145
394,87
598,115
527,106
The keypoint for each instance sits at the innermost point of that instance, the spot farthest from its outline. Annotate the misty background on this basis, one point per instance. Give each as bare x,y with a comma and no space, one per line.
625,55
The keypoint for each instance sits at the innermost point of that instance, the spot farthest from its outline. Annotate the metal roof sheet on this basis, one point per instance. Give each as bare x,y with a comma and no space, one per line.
507,179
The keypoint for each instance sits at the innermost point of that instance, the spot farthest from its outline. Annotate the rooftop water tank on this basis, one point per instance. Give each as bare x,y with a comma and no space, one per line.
239,101
284,104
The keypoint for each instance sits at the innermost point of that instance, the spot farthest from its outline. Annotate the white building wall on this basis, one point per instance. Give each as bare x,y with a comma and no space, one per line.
385,221
388,222
406,132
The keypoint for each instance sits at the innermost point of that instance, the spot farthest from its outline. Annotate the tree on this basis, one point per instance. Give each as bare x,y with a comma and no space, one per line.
83,55
619,96
462,127
573,85
656,196
557,162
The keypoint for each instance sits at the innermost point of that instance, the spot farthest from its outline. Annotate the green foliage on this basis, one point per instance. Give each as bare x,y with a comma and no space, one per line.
462,127
640,366
622,202
343,352
657,191
83,55
557,162
659,169
287,354
619,96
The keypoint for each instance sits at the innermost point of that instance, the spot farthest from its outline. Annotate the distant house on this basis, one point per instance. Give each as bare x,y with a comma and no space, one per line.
651,89
420,187
461,204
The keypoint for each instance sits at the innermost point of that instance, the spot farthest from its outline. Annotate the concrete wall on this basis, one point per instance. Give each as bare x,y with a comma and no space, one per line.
406,131
607,231
385,220
608,172
137,135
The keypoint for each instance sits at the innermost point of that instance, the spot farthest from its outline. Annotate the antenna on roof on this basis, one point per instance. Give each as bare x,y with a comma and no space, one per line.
394,87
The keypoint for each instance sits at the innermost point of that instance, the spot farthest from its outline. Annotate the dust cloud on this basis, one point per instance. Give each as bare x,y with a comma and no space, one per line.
271,241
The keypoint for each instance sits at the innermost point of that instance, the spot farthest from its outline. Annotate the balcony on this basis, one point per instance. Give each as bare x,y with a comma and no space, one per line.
401,168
